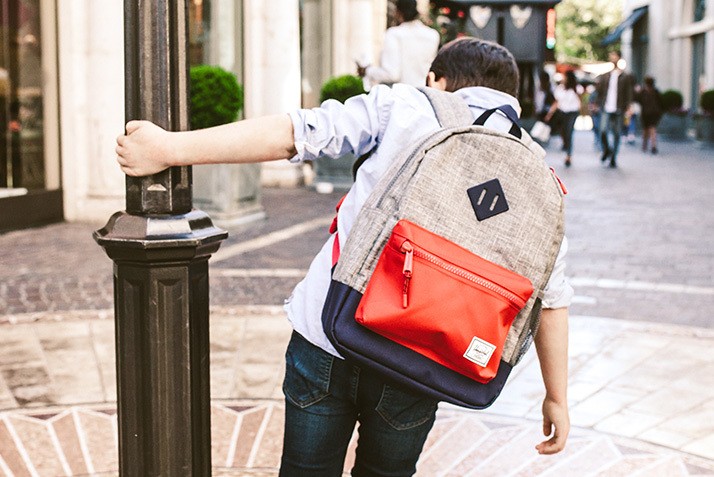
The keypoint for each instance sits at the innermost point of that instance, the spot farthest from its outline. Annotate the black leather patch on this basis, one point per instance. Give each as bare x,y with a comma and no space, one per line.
488,199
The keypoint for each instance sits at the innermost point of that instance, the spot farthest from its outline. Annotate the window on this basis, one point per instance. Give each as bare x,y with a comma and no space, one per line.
199,23
21,97
700,9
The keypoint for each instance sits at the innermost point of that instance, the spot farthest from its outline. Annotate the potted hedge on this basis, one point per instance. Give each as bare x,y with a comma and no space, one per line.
341,88
229,192
333,174
215,95
705,119
674,120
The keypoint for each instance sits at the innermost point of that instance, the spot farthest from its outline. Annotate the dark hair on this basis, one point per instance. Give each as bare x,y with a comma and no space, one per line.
571,82
473,62
408,9
649,81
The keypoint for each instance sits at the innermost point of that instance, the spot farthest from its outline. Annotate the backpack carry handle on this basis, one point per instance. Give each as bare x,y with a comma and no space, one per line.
510,114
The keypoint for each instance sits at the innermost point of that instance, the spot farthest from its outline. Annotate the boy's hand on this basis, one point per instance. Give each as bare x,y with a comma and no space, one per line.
145,149
557,421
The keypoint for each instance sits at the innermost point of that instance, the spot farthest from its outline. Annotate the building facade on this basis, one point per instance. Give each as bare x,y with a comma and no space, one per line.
62,95
673,41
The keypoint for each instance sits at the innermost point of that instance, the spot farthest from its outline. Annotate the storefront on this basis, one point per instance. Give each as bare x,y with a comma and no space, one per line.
30,188
526,28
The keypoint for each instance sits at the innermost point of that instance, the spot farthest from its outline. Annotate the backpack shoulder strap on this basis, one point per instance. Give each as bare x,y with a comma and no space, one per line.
509,112
451,111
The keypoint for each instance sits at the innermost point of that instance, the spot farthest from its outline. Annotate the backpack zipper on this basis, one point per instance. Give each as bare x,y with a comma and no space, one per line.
409,253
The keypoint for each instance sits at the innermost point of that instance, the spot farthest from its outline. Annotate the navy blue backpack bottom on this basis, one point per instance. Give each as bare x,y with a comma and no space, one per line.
398,363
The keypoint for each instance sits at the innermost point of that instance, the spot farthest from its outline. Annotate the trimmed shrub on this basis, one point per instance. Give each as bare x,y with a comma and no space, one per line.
706,101
215,95
672,100
341,88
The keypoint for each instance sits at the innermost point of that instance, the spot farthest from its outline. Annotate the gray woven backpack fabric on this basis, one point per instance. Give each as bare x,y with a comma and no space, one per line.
428,185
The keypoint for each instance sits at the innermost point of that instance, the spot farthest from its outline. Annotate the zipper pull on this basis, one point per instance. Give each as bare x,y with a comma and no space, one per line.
407,270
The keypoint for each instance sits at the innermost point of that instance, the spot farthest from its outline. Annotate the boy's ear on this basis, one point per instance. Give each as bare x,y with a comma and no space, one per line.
432,82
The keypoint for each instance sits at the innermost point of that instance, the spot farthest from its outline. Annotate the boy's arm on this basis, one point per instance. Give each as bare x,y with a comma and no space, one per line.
147,149
551,343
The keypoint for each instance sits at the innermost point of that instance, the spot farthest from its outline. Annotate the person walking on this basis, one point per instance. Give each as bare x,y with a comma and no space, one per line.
543,98
615,92
408,51
594,112
568,100
650,101
327,396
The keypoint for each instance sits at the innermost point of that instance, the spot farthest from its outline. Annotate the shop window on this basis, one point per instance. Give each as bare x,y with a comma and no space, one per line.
700,10
21,97
199,31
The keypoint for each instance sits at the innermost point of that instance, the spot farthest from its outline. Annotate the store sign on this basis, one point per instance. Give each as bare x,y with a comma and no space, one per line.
520,15
480,15
550,29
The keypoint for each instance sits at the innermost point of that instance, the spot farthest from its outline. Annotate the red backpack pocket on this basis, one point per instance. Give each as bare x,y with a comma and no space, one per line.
442,301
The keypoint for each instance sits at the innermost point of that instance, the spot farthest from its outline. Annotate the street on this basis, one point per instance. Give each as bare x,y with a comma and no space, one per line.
640,259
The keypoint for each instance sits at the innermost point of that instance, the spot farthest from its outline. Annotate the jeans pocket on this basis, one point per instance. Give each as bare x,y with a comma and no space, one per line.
405,410
307,372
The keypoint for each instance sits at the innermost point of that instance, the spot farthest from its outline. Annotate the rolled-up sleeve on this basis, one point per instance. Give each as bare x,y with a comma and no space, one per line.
335,129
558,293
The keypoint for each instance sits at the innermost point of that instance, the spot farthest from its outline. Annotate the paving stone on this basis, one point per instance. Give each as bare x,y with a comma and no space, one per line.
37,443
635,250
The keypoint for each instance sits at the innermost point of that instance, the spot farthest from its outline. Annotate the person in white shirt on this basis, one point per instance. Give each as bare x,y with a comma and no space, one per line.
568,99
325,395
409,48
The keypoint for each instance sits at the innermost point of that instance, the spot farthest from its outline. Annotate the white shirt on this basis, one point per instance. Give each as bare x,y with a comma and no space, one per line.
611,98
407,54
568,99
389,118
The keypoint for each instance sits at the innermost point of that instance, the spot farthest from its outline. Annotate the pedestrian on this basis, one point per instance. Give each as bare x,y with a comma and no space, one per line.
650,101
543,97
326,396
594,112
568,100
615,94
633,117
408,50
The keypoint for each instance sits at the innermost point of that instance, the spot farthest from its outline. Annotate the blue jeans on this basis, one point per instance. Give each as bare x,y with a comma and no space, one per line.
611,123
324,399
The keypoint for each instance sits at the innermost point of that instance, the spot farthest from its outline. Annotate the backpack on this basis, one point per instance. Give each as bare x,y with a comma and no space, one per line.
438,286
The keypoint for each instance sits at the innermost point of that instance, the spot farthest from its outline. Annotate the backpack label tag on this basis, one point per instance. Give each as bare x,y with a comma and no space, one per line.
479,351
487,199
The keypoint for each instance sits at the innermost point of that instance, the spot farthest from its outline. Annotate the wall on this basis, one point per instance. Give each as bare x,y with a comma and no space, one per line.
91,98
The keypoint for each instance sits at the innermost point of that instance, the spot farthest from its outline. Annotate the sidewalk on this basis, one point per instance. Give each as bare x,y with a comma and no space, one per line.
641,359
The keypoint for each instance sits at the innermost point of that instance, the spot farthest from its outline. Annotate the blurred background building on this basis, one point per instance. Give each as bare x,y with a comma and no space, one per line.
671,40
62,81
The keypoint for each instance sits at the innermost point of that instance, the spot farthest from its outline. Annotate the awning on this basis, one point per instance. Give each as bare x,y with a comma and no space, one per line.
629,22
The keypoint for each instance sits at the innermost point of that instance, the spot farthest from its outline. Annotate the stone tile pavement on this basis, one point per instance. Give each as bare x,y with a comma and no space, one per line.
641,352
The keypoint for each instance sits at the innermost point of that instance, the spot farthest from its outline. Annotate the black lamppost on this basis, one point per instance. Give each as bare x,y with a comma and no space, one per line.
160,248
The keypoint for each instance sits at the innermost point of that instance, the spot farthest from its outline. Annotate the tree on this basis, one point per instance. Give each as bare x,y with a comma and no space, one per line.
582,25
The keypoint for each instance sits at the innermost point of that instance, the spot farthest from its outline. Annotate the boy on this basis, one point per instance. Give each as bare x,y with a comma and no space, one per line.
326,396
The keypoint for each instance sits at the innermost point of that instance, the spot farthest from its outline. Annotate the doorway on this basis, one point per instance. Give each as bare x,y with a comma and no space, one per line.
25,195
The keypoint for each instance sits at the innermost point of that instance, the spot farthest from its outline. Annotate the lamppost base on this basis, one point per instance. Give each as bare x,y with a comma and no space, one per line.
162,340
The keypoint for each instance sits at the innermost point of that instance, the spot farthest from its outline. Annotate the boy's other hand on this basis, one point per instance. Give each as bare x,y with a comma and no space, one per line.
557,422
144,150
